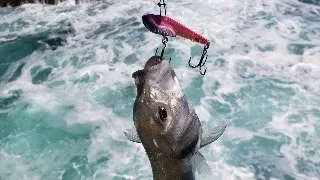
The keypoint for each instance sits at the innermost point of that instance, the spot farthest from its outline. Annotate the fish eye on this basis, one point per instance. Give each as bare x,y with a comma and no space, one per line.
162,113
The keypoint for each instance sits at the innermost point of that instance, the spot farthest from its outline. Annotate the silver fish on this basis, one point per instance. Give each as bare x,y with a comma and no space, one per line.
166,124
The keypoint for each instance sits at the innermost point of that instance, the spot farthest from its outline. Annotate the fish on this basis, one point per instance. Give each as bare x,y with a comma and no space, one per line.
167,125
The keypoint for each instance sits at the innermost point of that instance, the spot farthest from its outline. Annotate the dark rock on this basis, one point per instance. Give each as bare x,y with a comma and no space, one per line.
315,2
14,3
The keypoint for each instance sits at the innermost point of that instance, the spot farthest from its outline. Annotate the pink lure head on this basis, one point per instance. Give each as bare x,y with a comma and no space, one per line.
158,25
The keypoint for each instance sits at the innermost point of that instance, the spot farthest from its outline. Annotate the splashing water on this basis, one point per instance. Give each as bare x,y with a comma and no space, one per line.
66,92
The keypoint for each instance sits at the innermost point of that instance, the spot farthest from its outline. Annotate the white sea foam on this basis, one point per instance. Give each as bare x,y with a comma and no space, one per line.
252,38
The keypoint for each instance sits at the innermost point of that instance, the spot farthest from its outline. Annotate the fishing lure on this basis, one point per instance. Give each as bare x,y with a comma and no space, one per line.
166,26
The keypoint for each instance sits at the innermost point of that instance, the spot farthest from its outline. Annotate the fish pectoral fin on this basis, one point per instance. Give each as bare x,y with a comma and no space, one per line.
132,135
201,165
213,135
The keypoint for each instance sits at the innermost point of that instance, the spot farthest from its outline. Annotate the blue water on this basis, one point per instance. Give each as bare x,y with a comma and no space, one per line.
66,91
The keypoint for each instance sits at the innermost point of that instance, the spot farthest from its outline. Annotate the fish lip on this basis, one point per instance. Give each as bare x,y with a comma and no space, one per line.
138,73
150,65
139,78
153,62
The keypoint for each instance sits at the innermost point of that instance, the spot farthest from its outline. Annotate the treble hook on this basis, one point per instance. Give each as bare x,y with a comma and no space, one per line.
164,42
201,62
162,3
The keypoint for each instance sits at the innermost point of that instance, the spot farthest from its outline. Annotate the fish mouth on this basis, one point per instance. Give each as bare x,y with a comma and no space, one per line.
138,74
158,74
139,79
152,64
151,70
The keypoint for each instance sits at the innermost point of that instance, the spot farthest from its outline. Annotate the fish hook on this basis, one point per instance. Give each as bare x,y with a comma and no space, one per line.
164,42
202,61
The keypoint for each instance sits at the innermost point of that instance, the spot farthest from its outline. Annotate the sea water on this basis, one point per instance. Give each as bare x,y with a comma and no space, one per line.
66,91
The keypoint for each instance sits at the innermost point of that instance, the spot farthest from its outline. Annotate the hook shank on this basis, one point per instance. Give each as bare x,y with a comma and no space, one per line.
202,60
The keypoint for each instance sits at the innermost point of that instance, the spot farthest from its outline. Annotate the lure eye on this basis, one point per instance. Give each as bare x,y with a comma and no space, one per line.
163,114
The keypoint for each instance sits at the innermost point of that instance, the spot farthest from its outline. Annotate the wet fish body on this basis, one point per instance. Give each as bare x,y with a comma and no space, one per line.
166,124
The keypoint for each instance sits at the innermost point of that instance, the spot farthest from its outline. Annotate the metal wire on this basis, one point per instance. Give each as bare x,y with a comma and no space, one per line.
160,4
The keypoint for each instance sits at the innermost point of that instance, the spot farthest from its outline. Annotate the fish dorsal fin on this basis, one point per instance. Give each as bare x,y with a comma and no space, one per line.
132,135
213,135
201,164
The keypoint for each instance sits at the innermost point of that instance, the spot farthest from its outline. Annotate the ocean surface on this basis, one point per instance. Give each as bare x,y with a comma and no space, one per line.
66,92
